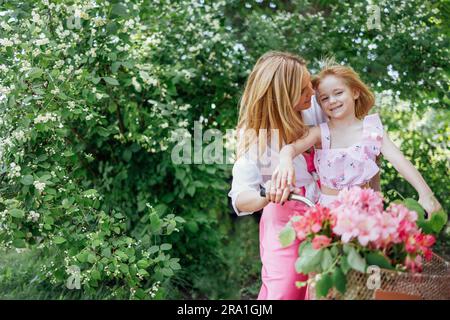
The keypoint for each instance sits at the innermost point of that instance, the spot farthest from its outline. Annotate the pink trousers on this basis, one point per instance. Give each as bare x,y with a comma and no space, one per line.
278,264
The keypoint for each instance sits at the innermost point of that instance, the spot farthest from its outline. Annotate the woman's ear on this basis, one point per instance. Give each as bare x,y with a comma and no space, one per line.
355,94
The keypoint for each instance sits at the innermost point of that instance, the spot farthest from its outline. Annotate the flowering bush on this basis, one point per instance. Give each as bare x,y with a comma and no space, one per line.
355,231
90,92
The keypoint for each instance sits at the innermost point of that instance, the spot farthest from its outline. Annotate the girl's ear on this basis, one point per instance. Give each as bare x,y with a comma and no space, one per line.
355,94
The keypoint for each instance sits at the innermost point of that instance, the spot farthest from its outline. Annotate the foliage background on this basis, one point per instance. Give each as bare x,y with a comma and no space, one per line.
90,92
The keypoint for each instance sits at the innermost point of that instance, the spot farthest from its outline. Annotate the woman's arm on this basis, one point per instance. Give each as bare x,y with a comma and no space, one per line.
250,201
410,173
245,188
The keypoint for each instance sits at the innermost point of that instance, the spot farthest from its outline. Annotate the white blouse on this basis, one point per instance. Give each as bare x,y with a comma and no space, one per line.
249,173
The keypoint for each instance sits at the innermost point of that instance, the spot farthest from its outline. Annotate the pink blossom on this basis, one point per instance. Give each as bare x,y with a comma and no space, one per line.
414,264
358,215
320,241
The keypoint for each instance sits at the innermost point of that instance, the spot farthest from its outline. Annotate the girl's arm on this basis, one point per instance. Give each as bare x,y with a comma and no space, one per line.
284,176
410,173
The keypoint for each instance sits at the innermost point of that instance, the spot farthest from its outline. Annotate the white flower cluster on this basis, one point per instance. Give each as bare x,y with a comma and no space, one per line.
19,135
33,216
15,170
45,118
392,73
154,289
40,186
6,43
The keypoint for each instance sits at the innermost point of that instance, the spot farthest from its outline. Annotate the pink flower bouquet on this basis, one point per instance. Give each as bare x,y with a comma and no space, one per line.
356,232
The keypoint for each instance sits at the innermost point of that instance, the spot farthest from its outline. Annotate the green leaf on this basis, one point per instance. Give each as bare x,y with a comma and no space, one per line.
115,66
334,251
356,261
119,10
438,221
27,180
106,252
95,80
324,285
143,272
91,258
17,213
413,205
35,73
95,274
124,268
174,265
347,248
167,272
143,264
309,260
122,255
155,222
344,264
19,243
66,203
153,249
59,240
166,246
340,280
111,81
103,132
82,256
302,246
287,236
327,260
191,190
377,259
192,226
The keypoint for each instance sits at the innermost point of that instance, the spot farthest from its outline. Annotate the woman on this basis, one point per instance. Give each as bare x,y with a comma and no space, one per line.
276,108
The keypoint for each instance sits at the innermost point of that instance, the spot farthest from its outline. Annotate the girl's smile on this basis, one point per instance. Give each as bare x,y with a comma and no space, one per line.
336,98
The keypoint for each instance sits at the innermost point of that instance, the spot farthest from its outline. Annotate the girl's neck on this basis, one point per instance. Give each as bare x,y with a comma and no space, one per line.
344,122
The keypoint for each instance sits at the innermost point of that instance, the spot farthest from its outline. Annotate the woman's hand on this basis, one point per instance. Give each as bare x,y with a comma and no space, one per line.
281,184
429,203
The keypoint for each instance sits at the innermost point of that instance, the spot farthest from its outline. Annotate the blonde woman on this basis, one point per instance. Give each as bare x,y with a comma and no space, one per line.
276,108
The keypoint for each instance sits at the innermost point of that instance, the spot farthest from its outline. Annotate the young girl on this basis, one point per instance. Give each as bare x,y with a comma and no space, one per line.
348,144
276,107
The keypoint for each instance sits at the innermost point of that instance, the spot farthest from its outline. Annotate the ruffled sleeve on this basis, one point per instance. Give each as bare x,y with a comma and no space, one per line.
373,134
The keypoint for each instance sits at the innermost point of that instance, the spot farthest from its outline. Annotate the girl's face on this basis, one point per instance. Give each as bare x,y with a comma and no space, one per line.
307,92
336,98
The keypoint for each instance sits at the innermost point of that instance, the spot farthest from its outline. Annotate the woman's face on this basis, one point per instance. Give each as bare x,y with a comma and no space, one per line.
307,92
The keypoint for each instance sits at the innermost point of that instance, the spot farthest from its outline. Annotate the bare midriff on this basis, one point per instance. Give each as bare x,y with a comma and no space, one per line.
334,192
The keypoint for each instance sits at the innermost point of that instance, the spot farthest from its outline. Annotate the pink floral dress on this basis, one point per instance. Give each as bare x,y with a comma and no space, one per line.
340,168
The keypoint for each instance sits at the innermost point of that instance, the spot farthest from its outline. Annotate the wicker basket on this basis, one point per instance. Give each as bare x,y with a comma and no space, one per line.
432,284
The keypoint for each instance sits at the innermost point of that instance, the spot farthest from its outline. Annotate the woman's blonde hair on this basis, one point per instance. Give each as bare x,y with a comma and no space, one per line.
273,88
366,98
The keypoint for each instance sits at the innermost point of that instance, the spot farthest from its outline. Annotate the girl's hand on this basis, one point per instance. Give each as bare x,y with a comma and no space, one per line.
430,204
285,174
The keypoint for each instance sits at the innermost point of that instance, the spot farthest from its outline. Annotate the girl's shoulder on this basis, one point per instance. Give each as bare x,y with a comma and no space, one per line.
373,121
373,132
